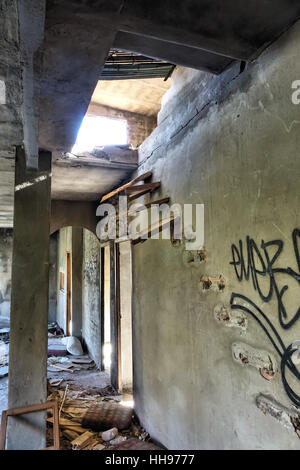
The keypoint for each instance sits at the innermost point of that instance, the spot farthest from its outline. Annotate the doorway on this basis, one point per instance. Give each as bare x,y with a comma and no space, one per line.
117,318
68,316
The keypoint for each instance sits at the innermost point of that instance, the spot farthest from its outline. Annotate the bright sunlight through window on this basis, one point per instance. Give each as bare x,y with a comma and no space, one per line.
99,131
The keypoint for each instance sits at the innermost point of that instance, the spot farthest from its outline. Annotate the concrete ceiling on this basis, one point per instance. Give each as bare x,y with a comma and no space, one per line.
84,183
141,96
202,34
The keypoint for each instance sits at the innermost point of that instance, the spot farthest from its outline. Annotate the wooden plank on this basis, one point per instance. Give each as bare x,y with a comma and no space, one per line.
129,212
63,422
83,440
127,185
144,191
142,187
29,409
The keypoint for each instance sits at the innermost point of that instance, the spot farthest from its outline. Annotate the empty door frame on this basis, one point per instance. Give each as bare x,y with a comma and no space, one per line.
68,315
115,337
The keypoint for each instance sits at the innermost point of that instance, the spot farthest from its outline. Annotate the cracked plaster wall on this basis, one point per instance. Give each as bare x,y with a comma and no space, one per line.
232,143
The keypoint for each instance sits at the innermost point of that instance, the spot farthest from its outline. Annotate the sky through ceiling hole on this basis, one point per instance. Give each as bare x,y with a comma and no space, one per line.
99,131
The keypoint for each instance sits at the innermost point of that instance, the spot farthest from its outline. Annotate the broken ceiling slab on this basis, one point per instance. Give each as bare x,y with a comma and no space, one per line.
107,155
95,173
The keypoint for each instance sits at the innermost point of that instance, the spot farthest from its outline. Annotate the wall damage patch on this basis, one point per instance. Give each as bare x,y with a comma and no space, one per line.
215,283
195,258
264,361
230,318
289,418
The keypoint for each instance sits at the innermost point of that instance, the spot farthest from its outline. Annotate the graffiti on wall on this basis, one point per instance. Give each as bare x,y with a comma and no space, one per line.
262,267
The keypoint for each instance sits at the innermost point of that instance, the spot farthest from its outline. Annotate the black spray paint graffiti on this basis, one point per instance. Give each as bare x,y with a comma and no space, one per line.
260,265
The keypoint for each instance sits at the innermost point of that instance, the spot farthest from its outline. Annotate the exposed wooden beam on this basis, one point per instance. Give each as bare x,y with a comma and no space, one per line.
154,229
142,177
129,212
144,189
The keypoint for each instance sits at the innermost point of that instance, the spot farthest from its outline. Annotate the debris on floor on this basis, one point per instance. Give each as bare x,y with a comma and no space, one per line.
54,329
75,431
106,416
4,351
136,444
56,347
3,371
70,363
73,345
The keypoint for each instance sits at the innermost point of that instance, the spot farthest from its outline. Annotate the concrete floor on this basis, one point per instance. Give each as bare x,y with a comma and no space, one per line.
89,381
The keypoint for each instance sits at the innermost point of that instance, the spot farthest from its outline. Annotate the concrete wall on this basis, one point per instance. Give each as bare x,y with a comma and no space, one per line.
138,125
64,245
6,242
6,248
11,129
91,318
231,142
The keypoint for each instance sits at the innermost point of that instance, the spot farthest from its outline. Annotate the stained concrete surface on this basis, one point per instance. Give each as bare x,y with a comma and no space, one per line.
6,240
91,318
30,273
11,129
232,143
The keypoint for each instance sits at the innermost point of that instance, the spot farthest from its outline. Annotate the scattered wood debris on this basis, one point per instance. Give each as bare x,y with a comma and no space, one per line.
83,440
73,405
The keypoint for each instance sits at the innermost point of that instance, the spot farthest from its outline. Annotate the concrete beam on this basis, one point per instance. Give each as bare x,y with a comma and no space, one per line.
29,301
76,46
201,42
73,214
31,28
175,53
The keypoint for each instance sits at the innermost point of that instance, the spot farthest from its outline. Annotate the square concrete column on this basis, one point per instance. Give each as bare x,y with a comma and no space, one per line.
27,384
77,258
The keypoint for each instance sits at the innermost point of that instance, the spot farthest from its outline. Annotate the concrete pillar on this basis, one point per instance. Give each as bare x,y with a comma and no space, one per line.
77,258
27,383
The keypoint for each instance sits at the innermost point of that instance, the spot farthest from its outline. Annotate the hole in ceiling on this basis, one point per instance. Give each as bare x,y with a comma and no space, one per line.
98,131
